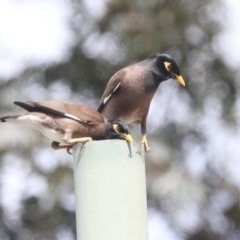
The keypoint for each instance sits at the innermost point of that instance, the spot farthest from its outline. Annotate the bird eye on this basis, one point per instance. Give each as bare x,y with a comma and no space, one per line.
116,128
168,66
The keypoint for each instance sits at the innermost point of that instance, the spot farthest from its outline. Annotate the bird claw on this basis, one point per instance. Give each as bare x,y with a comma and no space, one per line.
68,150
57,146
145,144
147,148
74,141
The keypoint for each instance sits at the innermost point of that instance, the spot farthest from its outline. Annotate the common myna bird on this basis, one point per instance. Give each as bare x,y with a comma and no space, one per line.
129,92
68,123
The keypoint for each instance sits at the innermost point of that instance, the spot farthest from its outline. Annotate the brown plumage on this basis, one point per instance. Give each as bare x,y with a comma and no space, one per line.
129,92
68,123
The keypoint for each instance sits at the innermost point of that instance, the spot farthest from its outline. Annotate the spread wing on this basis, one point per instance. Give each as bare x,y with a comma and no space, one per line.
77,112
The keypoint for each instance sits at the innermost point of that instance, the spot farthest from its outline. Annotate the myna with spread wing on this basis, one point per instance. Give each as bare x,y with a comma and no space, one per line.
68,123
129,92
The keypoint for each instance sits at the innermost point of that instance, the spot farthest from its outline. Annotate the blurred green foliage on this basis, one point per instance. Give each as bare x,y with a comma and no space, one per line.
196,205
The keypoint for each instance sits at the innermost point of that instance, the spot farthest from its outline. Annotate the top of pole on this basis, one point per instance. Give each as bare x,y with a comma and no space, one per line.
110,188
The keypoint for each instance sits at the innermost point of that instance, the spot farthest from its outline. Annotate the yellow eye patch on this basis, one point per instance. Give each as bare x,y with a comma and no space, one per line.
116,128
167,66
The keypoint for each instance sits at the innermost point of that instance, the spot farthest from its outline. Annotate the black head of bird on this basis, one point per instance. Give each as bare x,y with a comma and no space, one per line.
129,92
116,129
168,68
68,123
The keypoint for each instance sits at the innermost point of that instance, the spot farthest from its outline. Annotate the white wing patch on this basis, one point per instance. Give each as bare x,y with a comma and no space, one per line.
105,100
76,118
114,90
72,116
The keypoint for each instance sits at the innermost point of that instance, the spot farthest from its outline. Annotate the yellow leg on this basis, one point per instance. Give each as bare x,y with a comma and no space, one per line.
72,142
145,143
56,145
79,140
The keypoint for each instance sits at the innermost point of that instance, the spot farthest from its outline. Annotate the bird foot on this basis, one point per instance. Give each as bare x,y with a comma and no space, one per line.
72,142
57,146
145,144
79,140
147,148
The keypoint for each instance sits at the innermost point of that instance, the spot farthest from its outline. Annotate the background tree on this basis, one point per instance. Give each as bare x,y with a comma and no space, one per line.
193,170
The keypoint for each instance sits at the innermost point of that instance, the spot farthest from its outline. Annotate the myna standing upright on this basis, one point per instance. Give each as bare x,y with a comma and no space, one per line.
129,92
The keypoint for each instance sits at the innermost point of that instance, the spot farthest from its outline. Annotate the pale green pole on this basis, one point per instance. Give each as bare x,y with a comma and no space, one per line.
110,188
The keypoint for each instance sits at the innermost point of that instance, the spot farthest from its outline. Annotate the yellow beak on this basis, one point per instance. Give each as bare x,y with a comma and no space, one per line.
127,137
179,79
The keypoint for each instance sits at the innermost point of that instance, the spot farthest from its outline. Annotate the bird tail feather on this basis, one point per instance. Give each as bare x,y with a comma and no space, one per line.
8,118
28,120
